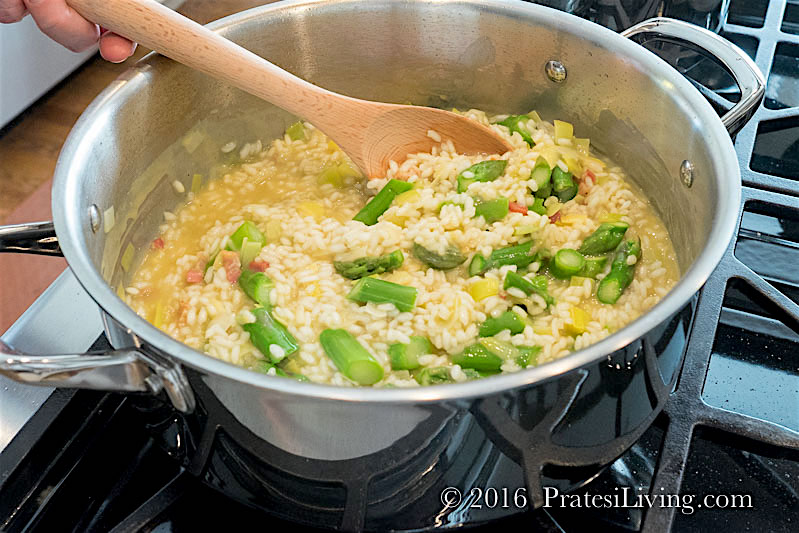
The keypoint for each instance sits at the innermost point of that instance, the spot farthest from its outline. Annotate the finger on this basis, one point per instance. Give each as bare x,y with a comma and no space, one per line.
63,24
12,11
116,49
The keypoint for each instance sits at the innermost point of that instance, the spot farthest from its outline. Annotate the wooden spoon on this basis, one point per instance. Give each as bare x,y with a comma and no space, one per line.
371,133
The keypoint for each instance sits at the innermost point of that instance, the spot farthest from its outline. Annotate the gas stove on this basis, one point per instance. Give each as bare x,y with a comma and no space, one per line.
92,461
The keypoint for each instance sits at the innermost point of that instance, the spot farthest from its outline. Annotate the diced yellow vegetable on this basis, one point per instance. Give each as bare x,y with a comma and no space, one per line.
583,146
601,180
611,217
578,281
273,231
332,146
579,321
392,217
249,251
108,219
551,154
332,176
196,183
483,288
563,130
553,205
571,219
311,209
594,164
524,230
408,197
127,257
541,329
296,132
348,170
535,116
160,314
121,292
192,140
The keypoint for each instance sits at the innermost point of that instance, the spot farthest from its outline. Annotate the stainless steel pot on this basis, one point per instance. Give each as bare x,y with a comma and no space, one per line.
377,459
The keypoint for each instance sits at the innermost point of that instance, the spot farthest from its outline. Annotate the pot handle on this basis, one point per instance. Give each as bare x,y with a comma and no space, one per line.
126,370
33,238
745,72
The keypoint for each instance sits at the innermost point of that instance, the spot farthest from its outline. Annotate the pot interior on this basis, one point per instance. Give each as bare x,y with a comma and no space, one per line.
163,122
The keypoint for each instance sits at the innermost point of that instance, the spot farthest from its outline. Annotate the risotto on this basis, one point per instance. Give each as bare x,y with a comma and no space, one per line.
453,267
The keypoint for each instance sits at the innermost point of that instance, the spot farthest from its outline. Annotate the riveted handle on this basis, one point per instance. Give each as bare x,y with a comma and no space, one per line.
746,74
34,238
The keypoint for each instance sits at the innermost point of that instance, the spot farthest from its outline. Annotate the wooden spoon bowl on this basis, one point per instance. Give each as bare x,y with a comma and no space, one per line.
371,133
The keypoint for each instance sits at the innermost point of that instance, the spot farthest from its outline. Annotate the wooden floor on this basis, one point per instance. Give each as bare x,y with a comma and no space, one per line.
29,148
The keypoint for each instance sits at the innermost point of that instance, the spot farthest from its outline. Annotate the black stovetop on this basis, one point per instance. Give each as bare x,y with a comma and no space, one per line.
87,462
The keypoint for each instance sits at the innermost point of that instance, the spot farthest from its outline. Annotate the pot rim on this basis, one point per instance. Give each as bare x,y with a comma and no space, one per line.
69,224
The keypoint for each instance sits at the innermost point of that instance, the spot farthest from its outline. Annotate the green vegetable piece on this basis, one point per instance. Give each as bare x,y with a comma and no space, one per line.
350,357
247,230
266,331
508,320
382,201
368,266
593,266
492,210
520,255
257,286
612,286
605,239
541,175
538,285
450,258
479,358
249,251
380,291
477,265
483,171
265,366
567,263
503,349
538,206
406,356
448,202
433,376
296,132
563,185
528,356
512,123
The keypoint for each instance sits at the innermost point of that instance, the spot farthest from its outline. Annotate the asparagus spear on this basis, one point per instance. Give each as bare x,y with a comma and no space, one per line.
257,286
350,357
508,320
621,273
538,206
270,336
538,285
566,263
528,356
482,171
367,266
265,366
605,239
450,258
563,185
541,175
406,356
381,291
512,123
382,201
492,210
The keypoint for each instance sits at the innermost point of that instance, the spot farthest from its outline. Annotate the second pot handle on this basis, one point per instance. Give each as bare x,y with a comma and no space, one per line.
34,238
746,74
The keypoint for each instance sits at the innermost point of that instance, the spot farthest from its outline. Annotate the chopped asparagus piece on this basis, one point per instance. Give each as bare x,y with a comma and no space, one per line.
382,201
538,285
350,357
593,266
512,123
406,356
482,171
381,291
563,185
528,356
478,357
567,263
367,266
621,273
257,286
266,332
492,210
605,239
541,175
433,376
508,320
538,206
247,230
450,258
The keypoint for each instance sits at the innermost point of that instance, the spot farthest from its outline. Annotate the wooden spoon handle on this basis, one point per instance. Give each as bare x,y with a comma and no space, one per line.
173,35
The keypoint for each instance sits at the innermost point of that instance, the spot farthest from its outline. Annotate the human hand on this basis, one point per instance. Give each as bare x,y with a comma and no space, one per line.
64,25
